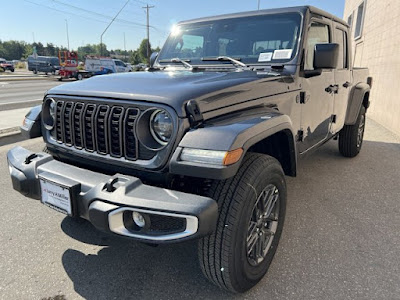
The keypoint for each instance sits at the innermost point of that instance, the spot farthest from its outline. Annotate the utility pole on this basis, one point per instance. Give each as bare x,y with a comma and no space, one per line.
101,36
258,4
66,23
147,7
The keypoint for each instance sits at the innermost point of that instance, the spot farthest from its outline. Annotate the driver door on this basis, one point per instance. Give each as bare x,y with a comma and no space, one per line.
317,109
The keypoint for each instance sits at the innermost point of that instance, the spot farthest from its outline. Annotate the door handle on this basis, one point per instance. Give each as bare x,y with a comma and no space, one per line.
332,89
346,84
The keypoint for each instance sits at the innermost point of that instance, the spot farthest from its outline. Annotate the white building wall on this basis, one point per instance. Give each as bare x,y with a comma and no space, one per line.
379,50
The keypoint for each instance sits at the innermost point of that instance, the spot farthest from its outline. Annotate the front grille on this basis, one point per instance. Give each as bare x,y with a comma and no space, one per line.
99,128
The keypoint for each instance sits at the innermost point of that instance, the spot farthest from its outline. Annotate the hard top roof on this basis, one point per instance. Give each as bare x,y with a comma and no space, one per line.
299,9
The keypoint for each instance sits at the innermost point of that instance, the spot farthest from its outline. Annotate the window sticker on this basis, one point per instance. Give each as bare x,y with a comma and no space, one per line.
283,54
266,56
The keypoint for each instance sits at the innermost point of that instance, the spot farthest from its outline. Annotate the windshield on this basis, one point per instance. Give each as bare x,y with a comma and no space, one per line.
258,39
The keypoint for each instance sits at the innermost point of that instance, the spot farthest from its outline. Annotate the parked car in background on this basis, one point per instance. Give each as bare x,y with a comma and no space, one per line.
103,65
6,66
129,66
140,67
45,64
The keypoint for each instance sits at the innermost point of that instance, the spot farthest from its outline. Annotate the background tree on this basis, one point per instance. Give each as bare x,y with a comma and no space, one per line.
143,51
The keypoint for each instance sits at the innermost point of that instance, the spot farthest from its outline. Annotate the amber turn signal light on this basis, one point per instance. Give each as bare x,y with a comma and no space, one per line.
233,156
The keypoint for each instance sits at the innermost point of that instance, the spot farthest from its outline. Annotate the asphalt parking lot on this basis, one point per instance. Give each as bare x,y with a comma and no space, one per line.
340,241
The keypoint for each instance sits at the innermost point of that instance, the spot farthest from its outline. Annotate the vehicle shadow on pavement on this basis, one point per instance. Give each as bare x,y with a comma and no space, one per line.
125,269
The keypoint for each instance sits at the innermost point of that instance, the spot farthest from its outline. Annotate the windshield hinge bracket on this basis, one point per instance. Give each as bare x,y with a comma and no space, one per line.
194,114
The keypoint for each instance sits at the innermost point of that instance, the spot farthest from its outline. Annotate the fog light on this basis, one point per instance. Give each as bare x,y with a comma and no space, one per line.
138,219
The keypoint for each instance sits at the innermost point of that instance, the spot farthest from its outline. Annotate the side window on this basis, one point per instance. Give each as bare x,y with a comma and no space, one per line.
350,20
341,39
360,21
317,34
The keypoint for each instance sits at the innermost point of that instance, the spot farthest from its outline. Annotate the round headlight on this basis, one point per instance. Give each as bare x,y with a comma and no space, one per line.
49,113
161,126
52,110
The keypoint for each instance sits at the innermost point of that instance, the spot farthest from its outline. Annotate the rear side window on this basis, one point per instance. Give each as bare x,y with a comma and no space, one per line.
317,34
341,39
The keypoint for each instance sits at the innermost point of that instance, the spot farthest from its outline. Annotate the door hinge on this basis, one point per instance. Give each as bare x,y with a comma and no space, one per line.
300,136
333,118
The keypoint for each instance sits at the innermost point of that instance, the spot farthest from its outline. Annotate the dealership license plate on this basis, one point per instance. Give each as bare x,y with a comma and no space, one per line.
56,196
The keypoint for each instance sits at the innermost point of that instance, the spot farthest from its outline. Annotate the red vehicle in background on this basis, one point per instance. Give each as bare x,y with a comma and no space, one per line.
69,66
6,66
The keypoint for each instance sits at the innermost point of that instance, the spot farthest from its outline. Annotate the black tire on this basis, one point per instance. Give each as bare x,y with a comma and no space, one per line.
79,76
223,256
12,70
351,136
35,72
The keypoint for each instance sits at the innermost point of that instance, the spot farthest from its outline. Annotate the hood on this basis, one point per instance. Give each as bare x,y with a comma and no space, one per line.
173,88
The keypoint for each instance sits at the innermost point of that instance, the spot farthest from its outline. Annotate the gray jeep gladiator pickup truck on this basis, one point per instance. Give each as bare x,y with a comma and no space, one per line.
198,146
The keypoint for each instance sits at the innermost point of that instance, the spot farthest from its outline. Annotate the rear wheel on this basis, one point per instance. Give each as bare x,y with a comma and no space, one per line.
351,136
252,208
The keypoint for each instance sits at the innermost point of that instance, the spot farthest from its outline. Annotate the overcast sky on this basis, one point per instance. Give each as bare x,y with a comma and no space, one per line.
45,20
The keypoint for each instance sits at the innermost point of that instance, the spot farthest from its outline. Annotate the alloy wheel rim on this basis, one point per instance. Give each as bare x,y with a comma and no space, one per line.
263,225
360,133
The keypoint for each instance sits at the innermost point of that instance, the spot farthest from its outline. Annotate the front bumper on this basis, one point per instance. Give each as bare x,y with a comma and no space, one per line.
108,202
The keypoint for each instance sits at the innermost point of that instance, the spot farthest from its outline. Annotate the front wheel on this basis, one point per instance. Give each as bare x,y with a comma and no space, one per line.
252,208
351,136
79,76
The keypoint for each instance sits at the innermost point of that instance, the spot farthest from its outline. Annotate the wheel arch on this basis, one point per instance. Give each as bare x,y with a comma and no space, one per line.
358,96
280,145
268,133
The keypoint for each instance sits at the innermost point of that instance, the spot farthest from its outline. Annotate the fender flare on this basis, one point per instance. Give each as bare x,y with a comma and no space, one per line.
239,132
31,127
356,99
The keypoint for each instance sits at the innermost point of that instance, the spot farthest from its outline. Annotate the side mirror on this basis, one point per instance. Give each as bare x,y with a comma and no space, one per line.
326,56
153,58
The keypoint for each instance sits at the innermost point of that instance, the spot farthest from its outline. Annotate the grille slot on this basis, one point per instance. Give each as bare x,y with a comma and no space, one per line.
106,130
88,130
68,123
77,125
116,117
101,129
59,109
131,142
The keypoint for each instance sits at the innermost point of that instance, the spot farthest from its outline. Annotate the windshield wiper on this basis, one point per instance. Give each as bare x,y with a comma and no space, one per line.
234,61
177,60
